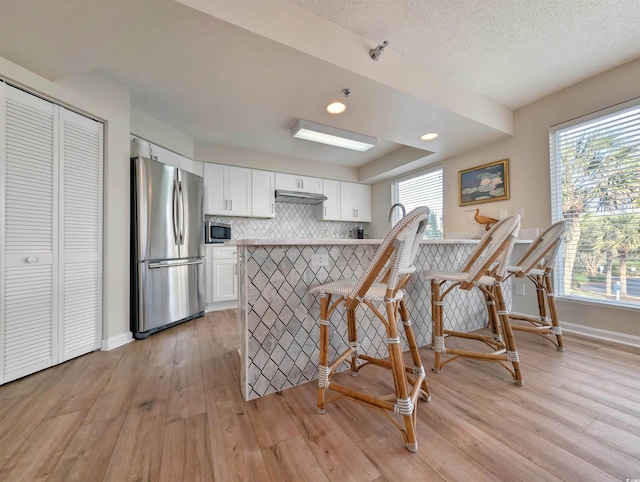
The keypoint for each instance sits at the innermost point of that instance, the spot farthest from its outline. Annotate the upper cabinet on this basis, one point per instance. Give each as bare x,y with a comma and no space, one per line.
227,190
331,207
263,201
355,202
293,182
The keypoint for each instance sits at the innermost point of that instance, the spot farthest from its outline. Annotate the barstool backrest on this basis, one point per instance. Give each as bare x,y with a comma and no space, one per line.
395,256
492,254
542,252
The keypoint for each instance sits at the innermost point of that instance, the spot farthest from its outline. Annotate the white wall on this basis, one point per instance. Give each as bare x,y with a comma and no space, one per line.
528,152
159,133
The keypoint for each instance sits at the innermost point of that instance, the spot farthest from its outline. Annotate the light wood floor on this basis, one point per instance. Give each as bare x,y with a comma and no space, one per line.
169,408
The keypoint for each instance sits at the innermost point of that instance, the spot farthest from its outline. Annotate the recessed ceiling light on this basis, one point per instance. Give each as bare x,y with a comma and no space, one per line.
429,136
336,108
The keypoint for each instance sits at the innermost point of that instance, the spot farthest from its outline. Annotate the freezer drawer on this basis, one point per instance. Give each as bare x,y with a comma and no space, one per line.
168,292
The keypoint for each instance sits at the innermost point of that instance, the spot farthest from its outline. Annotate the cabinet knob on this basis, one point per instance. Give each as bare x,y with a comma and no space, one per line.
32,259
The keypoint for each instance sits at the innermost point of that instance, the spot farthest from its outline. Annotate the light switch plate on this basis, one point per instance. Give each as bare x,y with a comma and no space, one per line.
519,289
520,211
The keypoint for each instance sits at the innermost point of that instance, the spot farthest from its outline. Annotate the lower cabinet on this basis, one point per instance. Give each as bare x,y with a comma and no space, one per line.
221,276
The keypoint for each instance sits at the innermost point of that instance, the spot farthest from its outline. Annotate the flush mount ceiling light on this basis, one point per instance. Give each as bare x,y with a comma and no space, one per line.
338,107
310,131
429,136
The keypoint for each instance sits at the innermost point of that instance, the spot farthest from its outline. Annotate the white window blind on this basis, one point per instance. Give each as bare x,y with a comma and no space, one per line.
421,190
595,186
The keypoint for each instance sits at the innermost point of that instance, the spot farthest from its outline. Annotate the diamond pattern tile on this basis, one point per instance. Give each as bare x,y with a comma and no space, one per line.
297,221
279,341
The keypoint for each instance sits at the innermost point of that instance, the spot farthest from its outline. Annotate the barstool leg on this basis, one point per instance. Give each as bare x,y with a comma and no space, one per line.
512,352
553,311
323,362
353,339
437,329
403,401
413,347
492,314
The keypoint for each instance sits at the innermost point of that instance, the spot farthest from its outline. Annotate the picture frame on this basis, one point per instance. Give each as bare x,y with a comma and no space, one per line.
485,183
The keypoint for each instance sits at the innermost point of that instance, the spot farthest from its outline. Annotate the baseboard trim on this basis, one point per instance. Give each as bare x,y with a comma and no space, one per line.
600,334
116,341
614,336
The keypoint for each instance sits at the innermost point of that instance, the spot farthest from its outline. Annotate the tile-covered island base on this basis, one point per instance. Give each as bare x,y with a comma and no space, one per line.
277,317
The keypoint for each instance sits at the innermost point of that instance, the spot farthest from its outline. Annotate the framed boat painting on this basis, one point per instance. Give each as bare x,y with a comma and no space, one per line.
486,183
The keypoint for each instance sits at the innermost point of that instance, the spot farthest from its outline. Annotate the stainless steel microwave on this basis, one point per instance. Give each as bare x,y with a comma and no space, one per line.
216,232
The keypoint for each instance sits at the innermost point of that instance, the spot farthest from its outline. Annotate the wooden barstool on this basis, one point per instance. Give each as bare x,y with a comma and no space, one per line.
384,281
537,265
485,270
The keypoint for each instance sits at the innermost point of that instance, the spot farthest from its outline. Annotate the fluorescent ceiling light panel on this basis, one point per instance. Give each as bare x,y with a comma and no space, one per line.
333,136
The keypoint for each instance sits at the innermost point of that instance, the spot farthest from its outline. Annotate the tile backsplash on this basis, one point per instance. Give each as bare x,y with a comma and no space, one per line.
292,221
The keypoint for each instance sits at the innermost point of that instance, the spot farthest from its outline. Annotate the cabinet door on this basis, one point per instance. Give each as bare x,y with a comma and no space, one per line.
28,232
239,191
225,279
80,258
263,194
362,202
331,207
288,182
355,202
347,207
311,184
215,195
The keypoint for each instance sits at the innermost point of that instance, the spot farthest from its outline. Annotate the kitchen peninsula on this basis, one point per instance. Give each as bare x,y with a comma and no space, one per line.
277,317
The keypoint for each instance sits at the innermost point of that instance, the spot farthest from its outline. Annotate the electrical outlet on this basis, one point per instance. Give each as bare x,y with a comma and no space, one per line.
503,213
470,219
519,289
318,260
520,211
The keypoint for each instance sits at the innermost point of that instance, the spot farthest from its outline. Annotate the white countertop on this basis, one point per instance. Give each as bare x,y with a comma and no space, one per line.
328,241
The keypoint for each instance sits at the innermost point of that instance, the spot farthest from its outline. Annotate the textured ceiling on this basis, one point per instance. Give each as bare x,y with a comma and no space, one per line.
511,51
241,72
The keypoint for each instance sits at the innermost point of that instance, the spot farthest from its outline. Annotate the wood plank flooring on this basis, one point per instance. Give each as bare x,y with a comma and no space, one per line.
169,408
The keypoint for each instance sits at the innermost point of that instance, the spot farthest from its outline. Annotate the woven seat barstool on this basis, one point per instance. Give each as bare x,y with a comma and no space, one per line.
485,270
537,265
383,282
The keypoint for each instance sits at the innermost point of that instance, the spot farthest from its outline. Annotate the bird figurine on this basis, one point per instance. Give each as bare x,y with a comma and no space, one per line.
486,220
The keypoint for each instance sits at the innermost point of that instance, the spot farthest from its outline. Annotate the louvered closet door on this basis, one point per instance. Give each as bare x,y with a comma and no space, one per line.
81,226
28,203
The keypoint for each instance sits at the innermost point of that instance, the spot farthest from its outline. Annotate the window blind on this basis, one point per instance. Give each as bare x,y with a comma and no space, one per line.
595,186
421,190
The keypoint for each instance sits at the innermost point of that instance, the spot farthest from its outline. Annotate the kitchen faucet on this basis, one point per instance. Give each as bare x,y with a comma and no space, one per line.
397,205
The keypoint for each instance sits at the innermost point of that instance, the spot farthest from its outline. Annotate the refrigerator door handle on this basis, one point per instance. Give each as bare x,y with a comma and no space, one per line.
174,265
176,213
182,213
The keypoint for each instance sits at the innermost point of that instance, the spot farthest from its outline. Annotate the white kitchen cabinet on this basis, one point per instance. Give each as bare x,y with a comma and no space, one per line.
208,273
331,207
263,203
225,274
355,202
293,182
227,190
50,234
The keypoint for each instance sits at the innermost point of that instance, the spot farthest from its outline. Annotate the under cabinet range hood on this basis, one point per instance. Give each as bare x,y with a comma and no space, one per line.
296,197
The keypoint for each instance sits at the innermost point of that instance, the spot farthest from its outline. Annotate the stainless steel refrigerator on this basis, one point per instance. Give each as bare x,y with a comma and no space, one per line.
167,246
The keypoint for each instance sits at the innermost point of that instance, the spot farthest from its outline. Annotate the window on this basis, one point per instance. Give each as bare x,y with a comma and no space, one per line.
595,186
421,190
